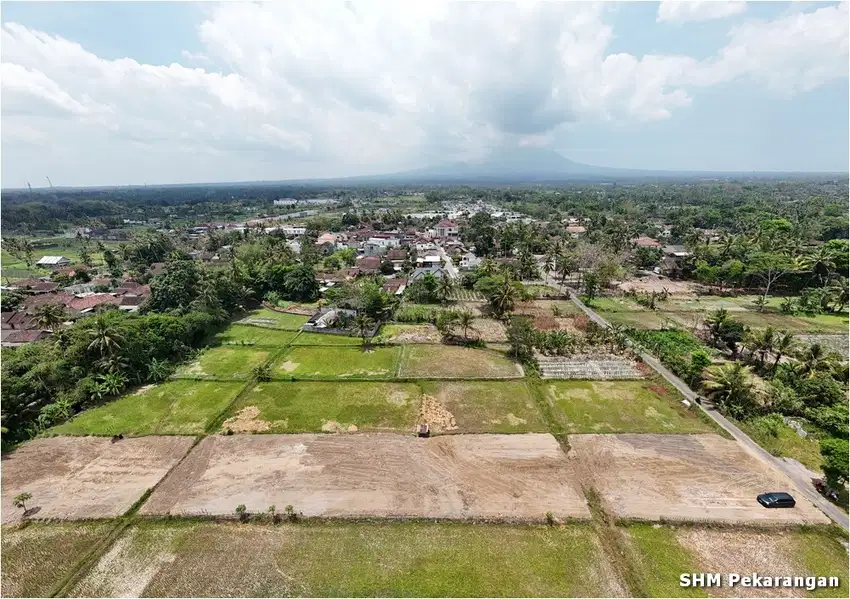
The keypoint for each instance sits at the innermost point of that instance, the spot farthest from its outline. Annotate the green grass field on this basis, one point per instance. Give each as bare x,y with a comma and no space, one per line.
664,552
447,361
621,407
172,408
326,339
690,311
488,406
314,407
357,560
38,557
786,444
337,362
234,363
276,320
254,335
660,560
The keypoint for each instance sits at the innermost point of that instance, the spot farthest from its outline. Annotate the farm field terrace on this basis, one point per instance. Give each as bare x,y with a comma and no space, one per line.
36,558
446,361
255,335
690,312
337,362
224,363
663,552
179,407
300,407
188,559
621,407
488,406
264,317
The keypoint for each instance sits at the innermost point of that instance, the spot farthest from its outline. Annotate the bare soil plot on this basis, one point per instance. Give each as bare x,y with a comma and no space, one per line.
836,343
448,361
298,407
37,557
86,477
224,363
488,329
408,333
601,367
337,362
375,474
550,315
659,284
486,407
683,477
375,559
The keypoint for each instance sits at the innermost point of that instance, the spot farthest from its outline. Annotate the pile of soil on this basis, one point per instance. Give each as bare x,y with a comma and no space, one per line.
436,415
246,421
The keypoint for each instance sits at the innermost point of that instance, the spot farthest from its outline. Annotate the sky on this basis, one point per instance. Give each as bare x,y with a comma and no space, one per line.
129,93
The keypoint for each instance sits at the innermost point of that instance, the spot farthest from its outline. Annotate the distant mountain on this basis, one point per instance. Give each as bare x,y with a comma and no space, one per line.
513,165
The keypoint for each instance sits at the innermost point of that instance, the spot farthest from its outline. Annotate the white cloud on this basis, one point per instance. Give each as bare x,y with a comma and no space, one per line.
295,89
682,11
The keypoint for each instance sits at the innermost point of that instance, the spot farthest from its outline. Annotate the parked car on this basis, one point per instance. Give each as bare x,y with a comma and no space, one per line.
779,499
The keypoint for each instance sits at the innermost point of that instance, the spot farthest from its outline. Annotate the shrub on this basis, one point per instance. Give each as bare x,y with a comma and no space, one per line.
770,425
262,372
242,512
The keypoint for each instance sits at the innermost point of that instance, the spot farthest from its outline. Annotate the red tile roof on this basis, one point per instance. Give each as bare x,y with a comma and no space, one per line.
644,241
90,301
18,336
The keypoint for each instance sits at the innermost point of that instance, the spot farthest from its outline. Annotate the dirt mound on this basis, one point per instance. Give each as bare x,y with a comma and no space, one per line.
332,426
436,415
246,421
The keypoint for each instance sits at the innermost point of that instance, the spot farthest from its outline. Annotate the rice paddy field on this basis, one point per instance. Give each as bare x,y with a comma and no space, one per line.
301,407
177,407
337,362
225,363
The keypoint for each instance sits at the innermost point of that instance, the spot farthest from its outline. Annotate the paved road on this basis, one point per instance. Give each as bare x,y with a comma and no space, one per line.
800,480
448,265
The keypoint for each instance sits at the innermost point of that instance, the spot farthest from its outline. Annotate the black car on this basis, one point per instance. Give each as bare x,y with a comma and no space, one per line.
776,500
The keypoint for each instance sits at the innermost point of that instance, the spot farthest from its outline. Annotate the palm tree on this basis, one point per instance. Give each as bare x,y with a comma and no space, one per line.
762,343
465,320
821,261
50,316
729,385
785,344
815,359
505,297
445,288
839,292
105,336
489,267
364,325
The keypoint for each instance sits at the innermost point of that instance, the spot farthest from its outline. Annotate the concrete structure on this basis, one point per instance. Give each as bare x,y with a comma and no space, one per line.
447,229
53,262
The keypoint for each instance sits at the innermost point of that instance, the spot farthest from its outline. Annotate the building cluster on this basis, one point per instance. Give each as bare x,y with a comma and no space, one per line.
21,326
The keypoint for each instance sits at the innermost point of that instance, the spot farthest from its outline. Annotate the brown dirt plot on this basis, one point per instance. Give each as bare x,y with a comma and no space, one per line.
86,477
508,477
683,477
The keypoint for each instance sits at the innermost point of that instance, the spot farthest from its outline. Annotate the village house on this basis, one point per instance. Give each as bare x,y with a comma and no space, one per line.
368,264
447,229
576,231
469,261
420,272
395,286
646,242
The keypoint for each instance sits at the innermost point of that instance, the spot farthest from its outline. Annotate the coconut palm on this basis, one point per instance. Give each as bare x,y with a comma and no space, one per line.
729,386
814,359
839,291
105,337
506,296
50,317
364,325
445,288
465,320
821,261
784,344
